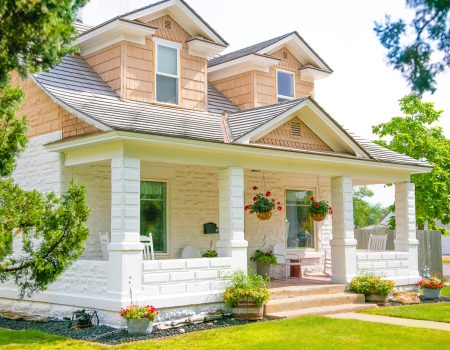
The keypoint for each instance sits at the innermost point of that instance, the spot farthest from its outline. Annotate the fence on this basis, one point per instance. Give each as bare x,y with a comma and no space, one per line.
430,246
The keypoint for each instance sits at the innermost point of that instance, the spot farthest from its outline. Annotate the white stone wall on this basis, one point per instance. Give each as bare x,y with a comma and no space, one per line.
392,265
37,168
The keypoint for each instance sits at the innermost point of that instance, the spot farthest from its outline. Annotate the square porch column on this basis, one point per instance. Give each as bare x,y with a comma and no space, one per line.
343,243
405,227
231,217
125,249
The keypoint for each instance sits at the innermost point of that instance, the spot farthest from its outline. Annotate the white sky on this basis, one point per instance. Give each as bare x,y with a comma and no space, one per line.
361,92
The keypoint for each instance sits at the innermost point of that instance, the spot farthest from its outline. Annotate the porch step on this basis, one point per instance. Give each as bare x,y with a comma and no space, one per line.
312,301
296,291
322,310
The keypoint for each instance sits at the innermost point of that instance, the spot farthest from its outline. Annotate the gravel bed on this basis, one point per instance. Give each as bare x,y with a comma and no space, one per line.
109,335
422,301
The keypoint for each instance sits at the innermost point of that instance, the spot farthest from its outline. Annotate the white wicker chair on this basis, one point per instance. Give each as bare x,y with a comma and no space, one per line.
149,252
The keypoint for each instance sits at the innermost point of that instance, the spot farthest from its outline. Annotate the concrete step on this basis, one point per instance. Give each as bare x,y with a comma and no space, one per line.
312,301
296,291
323,310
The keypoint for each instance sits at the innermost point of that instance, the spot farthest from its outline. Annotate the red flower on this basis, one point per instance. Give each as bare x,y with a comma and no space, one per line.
278,203
280,208
316,205
330,211
255,188
312,199
247,207
268,194
255,198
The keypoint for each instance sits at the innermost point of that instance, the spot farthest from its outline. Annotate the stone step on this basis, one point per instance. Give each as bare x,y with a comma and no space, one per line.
323,310
296,291
311,301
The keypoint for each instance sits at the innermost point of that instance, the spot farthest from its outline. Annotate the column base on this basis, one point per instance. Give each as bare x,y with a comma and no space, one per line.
237,250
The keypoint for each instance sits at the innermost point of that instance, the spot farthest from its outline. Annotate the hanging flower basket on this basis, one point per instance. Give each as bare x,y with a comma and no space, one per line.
318,210
263,205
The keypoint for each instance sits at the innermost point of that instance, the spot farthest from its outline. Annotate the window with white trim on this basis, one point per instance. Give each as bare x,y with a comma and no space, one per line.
285,85
167,73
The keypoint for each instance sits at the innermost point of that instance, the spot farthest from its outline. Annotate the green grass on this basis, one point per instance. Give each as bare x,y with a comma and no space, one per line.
310,333
445,292
431,312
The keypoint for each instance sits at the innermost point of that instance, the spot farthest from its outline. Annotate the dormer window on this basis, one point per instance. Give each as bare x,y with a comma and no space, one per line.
167,71
285,85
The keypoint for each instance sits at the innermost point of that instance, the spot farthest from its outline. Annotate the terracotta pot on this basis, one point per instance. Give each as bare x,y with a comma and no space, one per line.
376,298
247,309
265,215
263,269
431,293
318,217
139,326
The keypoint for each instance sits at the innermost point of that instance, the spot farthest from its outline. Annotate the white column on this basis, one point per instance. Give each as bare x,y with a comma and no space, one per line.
125,249
343,243
405,226
231,217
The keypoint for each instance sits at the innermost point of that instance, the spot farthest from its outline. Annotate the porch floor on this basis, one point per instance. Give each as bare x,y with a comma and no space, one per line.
305,281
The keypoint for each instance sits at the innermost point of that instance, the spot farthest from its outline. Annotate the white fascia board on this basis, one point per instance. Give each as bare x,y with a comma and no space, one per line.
241,65
111,33
299,49
168,43
232,150
310,74
202,48
181,14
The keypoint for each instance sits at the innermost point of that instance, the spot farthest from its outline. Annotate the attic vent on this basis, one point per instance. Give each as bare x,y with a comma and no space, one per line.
296,128
285,55
167,24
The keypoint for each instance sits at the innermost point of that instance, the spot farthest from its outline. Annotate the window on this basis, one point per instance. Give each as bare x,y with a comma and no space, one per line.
285,85
299,225
167,72
154,213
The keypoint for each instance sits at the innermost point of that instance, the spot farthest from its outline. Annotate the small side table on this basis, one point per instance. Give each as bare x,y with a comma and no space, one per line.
295,266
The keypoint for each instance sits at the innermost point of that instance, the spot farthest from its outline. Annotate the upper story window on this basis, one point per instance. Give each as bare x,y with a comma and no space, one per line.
167,71
285,85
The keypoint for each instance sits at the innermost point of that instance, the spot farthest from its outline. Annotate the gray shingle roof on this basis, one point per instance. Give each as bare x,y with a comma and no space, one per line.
78,88
81,27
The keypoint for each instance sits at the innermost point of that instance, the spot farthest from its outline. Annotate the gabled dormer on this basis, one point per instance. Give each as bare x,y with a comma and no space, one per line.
275,70
156,54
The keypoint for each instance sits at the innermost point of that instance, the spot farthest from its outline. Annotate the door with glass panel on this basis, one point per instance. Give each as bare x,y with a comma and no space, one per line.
299,225
154,213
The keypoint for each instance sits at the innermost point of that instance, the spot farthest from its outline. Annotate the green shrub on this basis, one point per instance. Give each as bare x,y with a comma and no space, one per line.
264,257
210,253
250,286
371,284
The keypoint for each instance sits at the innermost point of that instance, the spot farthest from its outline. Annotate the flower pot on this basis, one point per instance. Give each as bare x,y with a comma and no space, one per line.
263,269
431,293
318,217
264,215
139,326
247,309
376,298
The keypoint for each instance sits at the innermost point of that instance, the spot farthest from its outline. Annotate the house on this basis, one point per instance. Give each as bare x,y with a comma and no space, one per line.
166,140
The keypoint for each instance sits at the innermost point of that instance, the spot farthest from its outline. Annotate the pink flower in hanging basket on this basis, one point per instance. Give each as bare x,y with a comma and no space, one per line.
268,194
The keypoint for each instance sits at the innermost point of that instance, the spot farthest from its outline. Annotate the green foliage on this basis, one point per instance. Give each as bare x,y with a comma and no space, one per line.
52,230
36,34
371,284
244,286
365,213
417,135
420,49
319,207
135,312
264,257
262,203
210,253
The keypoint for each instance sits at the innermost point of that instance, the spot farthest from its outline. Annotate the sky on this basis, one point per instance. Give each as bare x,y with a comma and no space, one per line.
362,91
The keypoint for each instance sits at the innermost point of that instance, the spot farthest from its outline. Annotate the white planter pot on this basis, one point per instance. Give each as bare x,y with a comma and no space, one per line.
139,326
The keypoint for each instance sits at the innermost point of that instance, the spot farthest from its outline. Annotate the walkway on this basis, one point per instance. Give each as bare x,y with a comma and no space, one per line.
407,322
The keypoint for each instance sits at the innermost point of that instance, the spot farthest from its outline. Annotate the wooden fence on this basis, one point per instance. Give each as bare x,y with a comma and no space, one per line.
430,246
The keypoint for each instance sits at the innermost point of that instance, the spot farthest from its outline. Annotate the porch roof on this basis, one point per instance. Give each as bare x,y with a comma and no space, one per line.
76,87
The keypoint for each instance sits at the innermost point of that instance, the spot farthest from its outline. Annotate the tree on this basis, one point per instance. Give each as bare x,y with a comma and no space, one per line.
420,49
365,213
417,135
35,35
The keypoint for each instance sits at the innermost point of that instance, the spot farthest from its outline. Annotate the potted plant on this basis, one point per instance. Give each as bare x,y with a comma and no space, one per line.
373,287
263,205
210,253
319,209
247,295
431,287
139,319
263,259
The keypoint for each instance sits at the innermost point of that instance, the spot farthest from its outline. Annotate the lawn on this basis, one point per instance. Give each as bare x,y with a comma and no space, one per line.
445,292
313,332
432,312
